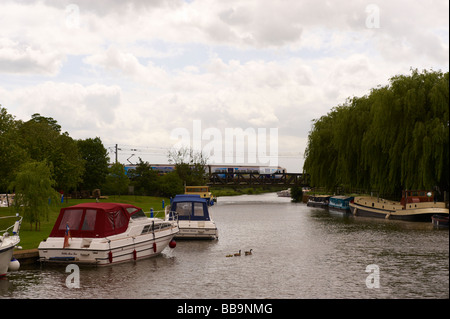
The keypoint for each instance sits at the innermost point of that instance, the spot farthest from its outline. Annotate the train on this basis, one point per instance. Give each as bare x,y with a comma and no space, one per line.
225,169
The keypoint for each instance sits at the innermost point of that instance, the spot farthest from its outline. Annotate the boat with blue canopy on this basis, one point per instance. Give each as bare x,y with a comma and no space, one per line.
194,218
340,202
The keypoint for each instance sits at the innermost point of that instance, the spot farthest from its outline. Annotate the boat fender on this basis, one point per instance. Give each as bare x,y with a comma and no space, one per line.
134,254
154,247
172,244
14,265
110,258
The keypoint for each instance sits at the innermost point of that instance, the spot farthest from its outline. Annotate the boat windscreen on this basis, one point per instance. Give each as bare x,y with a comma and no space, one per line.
137,214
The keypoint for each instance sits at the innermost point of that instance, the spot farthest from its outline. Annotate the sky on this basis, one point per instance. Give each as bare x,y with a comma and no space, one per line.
150,76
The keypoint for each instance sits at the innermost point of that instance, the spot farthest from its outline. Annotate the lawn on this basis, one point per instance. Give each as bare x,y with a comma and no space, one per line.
30,238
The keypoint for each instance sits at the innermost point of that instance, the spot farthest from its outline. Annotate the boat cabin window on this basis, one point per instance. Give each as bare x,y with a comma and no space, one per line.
116,219
89,219
72,217
197,189
184,209
189,209
198,209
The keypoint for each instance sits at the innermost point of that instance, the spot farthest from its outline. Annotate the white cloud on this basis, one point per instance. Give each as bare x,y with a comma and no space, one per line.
128,65
19,58
82,111
131,71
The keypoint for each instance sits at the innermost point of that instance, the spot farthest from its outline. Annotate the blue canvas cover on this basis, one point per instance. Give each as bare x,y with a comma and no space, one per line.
190,207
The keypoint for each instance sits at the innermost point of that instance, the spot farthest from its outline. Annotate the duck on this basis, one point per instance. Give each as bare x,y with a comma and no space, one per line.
247,253
229,256
238,254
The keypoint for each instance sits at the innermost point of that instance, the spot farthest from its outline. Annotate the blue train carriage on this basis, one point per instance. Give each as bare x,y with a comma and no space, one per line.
340,202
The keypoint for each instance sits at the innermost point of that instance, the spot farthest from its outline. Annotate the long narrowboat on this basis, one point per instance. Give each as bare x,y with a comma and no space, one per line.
321,201
414,206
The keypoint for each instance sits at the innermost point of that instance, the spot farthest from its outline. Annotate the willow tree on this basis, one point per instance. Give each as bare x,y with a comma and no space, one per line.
394,138
321,154
406,145
34,192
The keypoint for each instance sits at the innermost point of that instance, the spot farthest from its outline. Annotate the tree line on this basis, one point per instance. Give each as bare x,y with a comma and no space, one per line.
395,138
39,162
72,164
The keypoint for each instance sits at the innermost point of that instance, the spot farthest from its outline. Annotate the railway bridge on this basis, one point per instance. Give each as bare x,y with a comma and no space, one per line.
223,179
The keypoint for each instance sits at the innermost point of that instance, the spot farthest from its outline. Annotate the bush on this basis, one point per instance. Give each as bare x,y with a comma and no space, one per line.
296,194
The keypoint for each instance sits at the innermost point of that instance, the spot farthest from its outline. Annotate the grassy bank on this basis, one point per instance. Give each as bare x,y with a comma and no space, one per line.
30,238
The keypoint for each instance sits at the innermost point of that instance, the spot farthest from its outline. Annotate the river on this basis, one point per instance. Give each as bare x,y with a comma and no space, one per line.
297,252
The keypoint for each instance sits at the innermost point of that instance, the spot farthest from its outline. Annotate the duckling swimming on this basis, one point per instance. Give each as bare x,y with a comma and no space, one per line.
229,256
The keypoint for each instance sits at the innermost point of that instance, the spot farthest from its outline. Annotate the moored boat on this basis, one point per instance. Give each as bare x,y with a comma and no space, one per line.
105,234
284,193
439,220
8,241
202,191
194,218
414,206
318,201
340,202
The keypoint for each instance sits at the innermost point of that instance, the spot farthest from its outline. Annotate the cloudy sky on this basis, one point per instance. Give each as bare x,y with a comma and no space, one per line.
134,73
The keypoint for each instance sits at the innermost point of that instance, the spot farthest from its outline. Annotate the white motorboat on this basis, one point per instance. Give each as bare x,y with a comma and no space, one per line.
284,193
105,234
194,219
8,241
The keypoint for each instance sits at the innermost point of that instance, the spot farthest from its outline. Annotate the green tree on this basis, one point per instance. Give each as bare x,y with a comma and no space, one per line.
34,192
11,154
116,181
96,159
190,165
41,138
296,193
144,179
170,184
396,137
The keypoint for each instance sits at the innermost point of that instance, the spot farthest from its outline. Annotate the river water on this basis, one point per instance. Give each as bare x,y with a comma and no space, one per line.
298,252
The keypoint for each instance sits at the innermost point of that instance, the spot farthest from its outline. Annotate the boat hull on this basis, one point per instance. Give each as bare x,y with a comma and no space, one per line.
392,210
7,245
5,258
197,230
340,208
440,221
316,204
105,251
